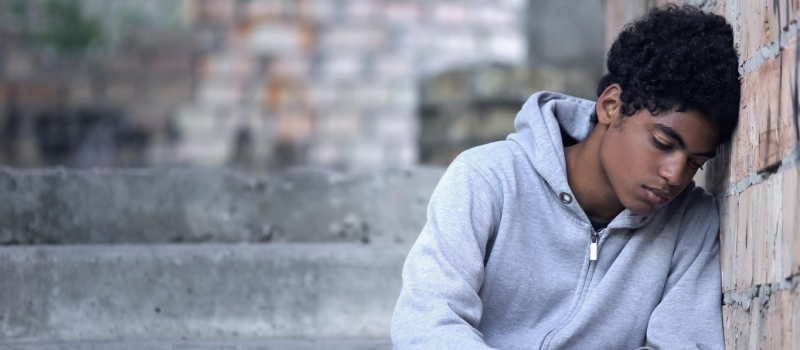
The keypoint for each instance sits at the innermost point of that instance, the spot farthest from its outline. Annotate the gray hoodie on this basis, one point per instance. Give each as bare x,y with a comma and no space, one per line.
503,260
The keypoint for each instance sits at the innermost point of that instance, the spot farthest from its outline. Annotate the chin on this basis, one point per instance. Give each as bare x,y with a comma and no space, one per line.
642,208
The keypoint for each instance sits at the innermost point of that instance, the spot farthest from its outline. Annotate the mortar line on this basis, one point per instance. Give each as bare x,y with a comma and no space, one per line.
790,161
769,51
743,298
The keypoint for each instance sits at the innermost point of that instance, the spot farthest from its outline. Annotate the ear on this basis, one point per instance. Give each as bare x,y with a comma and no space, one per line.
609,104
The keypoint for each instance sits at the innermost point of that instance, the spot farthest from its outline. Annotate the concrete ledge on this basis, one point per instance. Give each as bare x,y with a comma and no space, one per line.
193,205
265,344
198,291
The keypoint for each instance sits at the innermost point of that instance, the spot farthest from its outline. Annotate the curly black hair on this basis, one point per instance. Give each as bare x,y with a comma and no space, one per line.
677,58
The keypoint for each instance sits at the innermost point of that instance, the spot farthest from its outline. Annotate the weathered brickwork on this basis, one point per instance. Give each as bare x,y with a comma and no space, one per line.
756,176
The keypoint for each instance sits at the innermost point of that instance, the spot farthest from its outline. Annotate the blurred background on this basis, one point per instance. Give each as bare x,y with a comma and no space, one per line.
195,173
265,85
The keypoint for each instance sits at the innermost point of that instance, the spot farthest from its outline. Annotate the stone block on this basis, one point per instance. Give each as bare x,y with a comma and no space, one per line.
450,12
123,91
790,213
760,25
219,93
358,38
80,92
218,10
340,124
36,93
18,65
228,66
756,144
406,12
744,241
730,226
788,12
173,64
772,217
265,9
759,241
795,319
492,15
727,325
175,91
361,11
295,126
290,67
744,137
393,67
317,10
342,67
273,38
755,327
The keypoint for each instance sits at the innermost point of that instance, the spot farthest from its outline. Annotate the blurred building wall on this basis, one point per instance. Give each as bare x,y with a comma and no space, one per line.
469,106
257,84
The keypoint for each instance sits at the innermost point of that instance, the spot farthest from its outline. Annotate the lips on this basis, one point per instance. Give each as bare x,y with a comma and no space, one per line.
657,196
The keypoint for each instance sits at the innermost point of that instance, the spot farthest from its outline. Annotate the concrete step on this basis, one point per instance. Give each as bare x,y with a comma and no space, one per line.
263,344
177,205
198,291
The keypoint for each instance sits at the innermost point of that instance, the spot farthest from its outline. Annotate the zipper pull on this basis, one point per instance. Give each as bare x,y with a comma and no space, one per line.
593,248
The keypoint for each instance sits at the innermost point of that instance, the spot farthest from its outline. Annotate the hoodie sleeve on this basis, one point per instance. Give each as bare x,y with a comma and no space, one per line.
439,307
689,315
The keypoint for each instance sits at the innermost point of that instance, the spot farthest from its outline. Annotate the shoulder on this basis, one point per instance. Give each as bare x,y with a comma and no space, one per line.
700,204
500,162
700,217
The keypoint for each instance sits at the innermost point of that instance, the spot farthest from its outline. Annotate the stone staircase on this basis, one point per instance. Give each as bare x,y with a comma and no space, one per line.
204,258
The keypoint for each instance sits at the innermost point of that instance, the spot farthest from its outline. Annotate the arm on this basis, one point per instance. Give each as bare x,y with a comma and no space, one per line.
690,312
439,307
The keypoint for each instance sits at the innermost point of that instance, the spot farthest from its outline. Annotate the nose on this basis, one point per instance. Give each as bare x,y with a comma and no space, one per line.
672,169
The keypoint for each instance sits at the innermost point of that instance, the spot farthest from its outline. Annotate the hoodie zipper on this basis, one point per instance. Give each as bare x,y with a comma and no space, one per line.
593,252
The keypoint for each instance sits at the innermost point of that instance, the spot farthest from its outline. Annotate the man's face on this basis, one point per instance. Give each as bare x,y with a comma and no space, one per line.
649,160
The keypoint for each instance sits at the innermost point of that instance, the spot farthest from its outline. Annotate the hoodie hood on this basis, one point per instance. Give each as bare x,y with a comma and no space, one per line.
539,126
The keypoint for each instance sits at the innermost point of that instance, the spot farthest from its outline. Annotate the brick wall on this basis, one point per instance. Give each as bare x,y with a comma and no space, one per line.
755,176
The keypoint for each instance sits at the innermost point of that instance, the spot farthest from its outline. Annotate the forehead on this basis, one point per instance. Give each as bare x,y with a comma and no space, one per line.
697,131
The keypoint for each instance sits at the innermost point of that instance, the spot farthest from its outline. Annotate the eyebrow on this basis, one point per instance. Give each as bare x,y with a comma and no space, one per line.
674,134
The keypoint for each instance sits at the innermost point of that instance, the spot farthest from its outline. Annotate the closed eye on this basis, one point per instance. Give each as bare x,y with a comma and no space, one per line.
660,145
694,164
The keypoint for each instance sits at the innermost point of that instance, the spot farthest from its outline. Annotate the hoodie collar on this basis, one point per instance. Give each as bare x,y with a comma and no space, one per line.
539,126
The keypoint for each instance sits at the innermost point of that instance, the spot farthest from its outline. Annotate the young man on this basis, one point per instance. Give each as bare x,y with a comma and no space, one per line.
539,242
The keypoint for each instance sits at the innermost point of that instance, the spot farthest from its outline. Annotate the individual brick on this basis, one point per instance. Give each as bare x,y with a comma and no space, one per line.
744,241
760,25
795,316
402,12
773,226
727,325
790,213
787,299
788,12
754,326
450,13
759,241
295,127
766,130
731,225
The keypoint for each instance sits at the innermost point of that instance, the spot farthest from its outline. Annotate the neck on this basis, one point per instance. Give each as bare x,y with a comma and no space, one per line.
588,180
